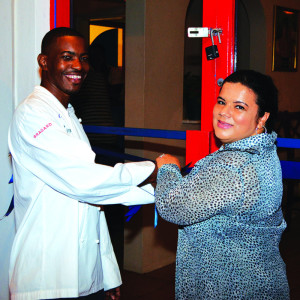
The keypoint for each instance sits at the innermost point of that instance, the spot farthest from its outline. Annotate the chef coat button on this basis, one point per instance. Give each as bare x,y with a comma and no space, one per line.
97,241
80,120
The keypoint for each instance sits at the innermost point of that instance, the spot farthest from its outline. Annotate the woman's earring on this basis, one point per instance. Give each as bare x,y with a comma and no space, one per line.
265,128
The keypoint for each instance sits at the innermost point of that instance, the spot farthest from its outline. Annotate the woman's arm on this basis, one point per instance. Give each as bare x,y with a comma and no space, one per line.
205,192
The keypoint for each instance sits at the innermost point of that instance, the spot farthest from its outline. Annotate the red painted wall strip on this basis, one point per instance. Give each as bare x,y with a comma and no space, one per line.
216,14
52,15
62,13
197,145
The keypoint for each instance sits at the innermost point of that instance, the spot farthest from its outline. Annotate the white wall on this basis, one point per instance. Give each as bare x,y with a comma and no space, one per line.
22,26
6,108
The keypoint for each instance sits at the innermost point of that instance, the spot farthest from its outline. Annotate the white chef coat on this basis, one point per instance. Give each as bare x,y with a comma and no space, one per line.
56,251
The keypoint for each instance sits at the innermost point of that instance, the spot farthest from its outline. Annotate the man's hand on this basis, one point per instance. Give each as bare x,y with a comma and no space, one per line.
113,294
167,159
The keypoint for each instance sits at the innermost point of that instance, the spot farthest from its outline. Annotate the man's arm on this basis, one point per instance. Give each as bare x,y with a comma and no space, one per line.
66,163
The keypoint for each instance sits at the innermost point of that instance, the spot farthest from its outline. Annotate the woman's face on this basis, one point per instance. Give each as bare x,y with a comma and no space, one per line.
235,115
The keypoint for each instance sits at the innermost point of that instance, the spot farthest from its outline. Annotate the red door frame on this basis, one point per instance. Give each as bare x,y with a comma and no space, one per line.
216,14
59,13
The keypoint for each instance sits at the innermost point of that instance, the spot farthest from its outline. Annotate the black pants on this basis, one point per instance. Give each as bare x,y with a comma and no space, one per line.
96,296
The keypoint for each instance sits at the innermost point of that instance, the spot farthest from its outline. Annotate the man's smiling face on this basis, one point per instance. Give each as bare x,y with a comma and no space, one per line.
65,66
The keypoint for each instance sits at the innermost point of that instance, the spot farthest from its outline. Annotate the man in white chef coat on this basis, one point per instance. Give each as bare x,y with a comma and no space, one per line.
62,248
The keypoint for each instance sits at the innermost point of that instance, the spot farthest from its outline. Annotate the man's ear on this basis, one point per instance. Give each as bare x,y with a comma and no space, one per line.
42,61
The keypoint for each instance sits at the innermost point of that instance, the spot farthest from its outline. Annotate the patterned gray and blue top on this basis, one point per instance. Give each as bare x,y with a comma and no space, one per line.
229,212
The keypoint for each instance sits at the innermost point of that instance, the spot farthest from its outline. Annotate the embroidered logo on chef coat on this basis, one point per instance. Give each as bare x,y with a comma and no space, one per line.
68,130
42,130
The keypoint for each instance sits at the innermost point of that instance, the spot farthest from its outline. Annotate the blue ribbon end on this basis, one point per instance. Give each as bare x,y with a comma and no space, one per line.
132,211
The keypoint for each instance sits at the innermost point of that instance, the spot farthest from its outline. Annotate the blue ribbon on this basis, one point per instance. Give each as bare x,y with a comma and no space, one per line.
10,209
132,210
143,132
11,205
135,208
155,216
119,155
290,169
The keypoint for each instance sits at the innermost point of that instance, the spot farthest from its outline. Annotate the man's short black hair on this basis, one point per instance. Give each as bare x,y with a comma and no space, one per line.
51,36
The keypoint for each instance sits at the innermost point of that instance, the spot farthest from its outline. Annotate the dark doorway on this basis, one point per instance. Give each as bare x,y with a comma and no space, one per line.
101,99
192,65
250,36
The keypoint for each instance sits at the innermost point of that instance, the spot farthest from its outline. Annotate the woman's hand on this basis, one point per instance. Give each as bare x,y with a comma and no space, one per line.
167,159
